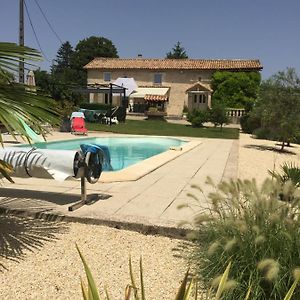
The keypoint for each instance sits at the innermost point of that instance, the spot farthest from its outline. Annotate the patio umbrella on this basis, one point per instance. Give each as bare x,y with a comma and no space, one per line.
128,83
30,80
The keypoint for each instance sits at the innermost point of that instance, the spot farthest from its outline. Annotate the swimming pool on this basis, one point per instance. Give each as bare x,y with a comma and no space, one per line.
124,151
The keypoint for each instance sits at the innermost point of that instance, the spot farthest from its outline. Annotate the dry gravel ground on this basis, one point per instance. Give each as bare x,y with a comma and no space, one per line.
256,157
51,268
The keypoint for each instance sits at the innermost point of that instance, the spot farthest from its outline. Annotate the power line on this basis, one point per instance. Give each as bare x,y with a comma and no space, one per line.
35,35
51,27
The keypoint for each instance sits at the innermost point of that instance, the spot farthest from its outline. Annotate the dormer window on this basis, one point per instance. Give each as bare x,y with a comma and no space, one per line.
106,76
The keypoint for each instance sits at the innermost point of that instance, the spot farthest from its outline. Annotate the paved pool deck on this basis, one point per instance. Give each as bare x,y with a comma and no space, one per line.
149,203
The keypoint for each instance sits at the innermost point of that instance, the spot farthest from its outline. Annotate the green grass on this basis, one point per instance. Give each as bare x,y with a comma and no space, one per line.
165,129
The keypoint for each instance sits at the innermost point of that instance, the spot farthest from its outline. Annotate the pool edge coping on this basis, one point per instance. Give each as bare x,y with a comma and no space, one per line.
145,167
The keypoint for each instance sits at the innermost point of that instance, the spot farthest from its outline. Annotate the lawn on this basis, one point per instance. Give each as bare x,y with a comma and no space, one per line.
165,129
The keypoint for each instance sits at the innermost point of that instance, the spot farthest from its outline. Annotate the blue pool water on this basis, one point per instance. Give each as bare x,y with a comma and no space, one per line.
124,151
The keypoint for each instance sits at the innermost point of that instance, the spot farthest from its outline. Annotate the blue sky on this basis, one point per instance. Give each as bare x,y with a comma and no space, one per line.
216,29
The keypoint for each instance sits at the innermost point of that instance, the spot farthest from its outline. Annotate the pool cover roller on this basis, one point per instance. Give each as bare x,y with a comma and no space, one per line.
60,165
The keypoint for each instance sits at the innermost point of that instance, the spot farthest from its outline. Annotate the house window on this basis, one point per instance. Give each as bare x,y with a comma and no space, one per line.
203,98
157,78
106,76
195,98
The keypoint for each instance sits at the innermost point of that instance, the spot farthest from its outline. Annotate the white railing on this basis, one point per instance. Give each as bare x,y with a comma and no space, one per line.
235,114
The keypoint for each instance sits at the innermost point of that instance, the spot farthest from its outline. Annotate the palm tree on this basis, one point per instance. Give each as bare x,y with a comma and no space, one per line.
17,101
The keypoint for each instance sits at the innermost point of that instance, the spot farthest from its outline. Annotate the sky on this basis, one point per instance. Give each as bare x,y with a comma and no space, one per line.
268,30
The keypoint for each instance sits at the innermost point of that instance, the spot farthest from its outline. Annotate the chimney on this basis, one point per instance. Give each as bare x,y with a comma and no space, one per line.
140,55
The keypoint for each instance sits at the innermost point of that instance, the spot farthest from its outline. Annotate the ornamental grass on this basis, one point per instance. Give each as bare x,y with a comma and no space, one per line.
250,227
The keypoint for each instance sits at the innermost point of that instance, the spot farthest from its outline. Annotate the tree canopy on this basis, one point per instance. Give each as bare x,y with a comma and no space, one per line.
235,89
88,49
279,106
67,71
63,58
177,52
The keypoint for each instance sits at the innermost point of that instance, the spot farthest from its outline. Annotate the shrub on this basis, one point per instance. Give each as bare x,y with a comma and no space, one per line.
218,116
185,109
263,133
250,122
66,108
198,117
94,106
259,234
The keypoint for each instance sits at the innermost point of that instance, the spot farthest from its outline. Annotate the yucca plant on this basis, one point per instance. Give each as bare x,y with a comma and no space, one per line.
17,101
188,289
289,171
247,225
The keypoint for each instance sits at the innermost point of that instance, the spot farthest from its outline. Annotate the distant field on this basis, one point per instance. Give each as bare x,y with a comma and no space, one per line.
163,128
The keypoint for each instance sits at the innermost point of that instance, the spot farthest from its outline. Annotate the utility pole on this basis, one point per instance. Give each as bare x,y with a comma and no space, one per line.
21,40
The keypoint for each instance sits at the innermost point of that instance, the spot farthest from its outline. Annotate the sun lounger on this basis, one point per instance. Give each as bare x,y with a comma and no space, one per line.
78,126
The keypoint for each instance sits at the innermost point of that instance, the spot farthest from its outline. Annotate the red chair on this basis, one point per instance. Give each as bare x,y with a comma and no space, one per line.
78,126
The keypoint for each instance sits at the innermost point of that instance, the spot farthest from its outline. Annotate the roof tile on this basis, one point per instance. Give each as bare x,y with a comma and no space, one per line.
174,64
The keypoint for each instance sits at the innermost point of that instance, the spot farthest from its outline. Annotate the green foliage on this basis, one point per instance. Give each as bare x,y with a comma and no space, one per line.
10,56
88,49
260,235
95,106
218,115
263,133
235,89
6,170
290,172
17,101
177,52
279,106
185,109
67,73
63,59
43,81
188,289
198,117
250,122
66,108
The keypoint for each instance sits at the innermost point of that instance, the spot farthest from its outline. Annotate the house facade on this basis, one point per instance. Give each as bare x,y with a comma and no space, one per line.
168,83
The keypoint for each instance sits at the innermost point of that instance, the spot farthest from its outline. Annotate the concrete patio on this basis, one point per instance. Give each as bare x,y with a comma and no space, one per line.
149,203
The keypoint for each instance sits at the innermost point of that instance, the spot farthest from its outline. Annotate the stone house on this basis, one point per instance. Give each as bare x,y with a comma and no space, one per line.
171,84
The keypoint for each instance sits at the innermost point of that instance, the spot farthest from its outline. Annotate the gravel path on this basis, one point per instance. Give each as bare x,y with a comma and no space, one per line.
256,157
51,268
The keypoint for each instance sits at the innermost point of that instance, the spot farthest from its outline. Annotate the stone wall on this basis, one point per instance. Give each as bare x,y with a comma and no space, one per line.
178,81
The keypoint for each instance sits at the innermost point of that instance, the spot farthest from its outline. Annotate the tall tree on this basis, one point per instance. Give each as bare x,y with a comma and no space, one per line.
88,49
235,89
67,71
279,106
63,58
63,76
177,52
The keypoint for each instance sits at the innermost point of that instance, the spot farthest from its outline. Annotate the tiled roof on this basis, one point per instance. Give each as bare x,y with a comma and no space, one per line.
174,64
199,87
